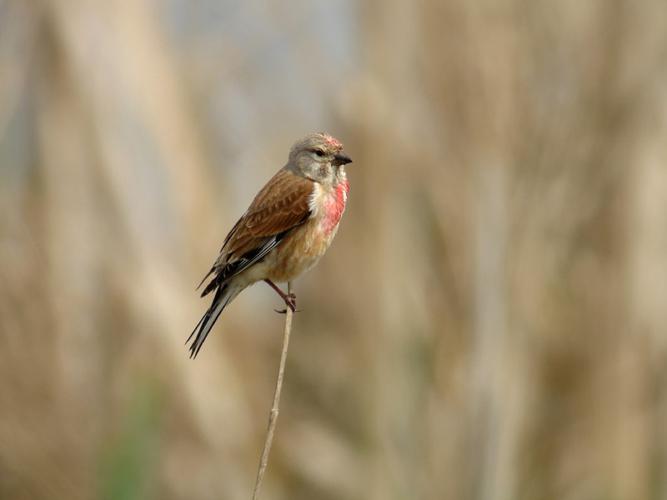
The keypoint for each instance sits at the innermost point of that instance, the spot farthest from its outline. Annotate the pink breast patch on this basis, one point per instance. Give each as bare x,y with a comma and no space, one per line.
335,206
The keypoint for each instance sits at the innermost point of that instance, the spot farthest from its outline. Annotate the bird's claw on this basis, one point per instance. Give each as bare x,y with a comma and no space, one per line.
290,301
284,311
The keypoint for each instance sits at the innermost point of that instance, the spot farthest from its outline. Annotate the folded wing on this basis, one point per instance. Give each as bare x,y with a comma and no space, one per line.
280,207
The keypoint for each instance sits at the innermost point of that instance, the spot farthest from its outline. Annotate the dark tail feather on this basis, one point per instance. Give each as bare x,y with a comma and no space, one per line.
223,296
205,278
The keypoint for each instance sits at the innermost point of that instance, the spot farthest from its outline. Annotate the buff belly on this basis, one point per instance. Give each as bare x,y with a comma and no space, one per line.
300,251
295,255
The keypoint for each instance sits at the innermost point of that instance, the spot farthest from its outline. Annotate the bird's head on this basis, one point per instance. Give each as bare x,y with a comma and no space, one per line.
319,157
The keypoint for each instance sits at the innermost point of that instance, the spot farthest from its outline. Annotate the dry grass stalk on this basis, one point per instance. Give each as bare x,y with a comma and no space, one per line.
275,408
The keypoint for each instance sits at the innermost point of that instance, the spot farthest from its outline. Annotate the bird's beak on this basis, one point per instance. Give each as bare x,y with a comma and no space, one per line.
341,159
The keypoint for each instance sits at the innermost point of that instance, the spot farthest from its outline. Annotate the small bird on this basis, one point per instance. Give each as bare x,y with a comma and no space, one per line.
287,228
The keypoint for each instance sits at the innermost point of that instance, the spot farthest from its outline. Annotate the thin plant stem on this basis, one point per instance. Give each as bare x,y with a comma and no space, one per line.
275,408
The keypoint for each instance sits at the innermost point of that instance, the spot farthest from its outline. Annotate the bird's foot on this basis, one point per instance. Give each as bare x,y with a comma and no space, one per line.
290,301
289,298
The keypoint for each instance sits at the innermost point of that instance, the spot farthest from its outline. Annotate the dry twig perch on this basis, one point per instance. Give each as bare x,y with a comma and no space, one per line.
275,408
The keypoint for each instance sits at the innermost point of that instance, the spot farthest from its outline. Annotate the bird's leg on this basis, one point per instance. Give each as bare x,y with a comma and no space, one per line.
289,298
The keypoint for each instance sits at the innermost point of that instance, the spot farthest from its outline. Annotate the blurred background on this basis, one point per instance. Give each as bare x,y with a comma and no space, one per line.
490,323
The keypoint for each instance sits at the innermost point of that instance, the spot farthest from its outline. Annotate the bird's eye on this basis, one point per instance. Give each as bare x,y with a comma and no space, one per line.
319,152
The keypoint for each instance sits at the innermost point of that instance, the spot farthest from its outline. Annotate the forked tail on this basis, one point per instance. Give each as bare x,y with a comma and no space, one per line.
223,296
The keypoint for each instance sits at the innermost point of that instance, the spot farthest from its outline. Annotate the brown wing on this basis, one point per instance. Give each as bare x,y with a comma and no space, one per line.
278,208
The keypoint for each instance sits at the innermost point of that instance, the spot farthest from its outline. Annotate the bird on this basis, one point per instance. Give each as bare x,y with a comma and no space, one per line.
284,232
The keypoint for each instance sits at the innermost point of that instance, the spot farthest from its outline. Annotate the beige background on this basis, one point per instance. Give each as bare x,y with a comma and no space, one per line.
490,323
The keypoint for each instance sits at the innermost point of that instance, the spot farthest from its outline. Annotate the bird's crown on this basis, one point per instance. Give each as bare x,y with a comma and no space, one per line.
317,140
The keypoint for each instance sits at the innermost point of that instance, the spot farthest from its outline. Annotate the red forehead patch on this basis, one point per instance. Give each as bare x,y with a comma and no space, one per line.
332,141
